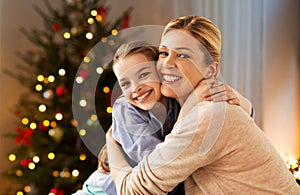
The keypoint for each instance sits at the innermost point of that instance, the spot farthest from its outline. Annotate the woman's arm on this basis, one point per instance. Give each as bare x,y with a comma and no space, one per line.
186,149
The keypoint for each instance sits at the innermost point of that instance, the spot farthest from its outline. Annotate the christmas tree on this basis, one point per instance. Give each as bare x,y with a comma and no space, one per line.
51,155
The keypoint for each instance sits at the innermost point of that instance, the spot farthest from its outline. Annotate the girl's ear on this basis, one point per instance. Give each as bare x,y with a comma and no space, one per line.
212,71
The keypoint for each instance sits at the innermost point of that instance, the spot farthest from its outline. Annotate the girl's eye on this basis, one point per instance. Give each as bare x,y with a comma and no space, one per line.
125,84
183,56
143,75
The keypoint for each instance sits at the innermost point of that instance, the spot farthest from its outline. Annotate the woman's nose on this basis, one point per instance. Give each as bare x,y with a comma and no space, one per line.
169,60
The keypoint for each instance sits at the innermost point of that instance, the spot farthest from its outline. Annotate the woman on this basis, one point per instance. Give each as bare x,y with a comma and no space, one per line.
215,148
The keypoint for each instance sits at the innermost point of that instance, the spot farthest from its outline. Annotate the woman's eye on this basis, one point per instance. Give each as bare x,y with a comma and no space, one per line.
143,75
183,56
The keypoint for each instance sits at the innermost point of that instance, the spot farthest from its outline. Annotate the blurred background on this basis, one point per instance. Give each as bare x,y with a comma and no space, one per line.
260,57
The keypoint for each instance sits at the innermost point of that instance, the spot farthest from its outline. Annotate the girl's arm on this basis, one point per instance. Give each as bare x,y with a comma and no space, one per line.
214,90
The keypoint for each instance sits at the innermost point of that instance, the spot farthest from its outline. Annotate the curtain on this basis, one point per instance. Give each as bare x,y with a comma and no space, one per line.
260,59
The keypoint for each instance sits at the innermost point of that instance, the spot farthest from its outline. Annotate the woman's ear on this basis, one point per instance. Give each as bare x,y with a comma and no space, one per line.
212,71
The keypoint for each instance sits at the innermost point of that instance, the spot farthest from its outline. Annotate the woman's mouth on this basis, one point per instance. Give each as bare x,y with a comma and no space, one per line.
170,78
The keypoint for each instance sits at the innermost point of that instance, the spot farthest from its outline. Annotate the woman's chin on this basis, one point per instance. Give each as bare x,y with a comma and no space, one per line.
167,91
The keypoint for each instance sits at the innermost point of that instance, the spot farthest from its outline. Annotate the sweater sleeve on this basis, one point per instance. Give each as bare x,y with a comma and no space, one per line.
187,148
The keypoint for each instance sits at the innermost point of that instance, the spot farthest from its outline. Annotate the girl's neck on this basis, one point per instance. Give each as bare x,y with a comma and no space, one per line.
159,110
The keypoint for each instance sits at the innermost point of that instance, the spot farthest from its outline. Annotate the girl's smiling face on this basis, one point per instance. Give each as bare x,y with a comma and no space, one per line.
138,79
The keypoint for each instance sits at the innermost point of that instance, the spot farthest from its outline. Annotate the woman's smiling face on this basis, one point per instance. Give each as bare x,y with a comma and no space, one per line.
181,64
138,79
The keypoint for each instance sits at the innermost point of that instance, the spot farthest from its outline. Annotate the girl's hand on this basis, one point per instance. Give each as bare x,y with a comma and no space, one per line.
214,90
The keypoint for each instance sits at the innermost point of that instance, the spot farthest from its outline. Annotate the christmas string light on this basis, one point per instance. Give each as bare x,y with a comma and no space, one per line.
89,35
62,72
38,87
99,70
106,89
67,35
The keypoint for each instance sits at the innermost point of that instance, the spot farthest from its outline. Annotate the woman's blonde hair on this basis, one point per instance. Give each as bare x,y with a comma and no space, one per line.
134,47
202,29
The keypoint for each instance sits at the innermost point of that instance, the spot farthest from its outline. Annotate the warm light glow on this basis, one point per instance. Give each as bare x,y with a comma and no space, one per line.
36,159
109,110
83,103
27,188
94,117
74,122
51,132
47,94
38,87
62,72
114,32
40,78
79,80
51,156
90,21
111,42
94,13
103,39
106,89
25,121
86,59
53,124
51,78
12,157
58,116
55,173
31,166
33,125
75,173
99,70
19,193
89,35
99,18
82,132
42,108
82,157
46,80
74,30
67,35
46,123
19,173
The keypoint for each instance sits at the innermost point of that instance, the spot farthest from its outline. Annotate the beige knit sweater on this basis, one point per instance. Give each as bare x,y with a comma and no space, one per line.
215,148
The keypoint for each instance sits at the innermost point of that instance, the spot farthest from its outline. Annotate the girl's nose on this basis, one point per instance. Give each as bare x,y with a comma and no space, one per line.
137,89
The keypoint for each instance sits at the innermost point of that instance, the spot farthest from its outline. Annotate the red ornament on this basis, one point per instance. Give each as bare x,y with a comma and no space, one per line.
42,127
25,162
61,91
84,73
55,27
101,11
85,27
126,21
24,136
57,191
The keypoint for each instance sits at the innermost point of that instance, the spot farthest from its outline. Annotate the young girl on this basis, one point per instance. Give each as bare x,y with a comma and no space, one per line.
142,117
